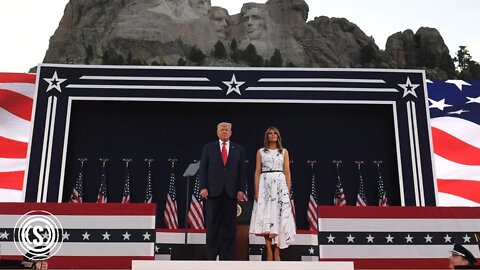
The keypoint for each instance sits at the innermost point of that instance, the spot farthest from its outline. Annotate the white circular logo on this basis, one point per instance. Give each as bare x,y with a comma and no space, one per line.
38,235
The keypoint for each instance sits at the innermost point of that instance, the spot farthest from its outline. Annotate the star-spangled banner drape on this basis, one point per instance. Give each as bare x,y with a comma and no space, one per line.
361,197
339,197
170,214
382,195
196,218
148,189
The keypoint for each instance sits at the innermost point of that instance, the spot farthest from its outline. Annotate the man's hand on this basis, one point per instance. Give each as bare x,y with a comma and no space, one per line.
241,196
204,193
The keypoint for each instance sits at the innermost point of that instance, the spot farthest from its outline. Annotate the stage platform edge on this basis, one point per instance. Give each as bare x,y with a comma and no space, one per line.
238,265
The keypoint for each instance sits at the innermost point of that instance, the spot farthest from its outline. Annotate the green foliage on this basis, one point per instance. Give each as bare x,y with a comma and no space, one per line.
110,57
196,55
276,59
291,64
233,45
181,62
463,58
219,50
250,56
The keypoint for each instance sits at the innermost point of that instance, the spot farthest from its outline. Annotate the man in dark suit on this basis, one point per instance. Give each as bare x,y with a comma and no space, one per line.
222,183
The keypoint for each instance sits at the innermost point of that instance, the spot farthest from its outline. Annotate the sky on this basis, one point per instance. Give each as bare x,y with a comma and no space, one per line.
27,25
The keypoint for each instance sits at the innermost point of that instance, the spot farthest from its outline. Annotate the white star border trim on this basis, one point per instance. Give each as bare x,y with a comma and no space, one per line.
233,85
54,82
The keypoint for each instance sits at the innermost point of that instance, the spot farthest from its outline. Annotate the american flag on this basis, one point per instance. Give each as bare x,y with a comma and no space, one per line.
455,122
339,198
170,214
382,195
312,206
292,203
361,197
126,186
16,99
77,193
148,189
102,191
196,219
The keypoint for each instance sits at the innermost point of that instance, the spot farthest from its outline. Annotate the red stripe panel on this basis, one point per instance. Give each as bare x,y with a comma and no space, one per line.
12,180
454,149
463,188
398,212
16,104
17,77
180,230
89,209
12,149
94,262
427,263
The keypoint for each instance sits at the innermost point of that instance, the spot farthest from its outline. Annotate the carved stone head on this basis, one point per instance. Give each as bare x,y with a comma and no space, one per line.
201,7
219,18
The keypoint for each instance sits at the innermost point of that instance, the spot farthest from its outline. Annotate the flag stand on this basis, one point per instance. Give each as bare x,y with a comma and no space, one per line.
191,170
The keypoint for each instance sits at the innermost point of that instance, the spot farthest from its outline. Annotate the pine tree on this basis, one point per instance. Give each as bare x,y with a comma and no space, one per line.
219,51
276,59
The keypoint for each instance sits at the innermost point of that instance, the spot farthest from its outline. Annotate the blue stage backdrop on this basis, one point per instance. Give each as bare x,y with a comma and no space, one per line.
98,112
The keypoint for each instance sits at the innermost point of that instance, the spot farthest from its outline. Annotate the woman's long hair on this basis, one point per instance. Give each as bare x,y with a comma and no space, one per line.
266,143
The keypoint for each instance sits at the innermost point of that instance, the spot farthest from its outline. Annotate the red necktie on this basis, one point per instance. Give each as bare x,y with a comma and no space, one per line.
224,154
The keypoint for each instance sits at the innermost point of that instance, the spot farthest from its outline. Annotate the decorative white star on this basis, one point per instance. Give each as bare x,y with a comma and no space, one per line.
45,235
447,238
4,235
126,236
428,238
331,238
106,236
146,236
438,104
409,238
389,238
473,100
409,88
458,83
370,238
54,82
86,236
459,112
311,250
350,238
233,85
466,238
65,235
157,249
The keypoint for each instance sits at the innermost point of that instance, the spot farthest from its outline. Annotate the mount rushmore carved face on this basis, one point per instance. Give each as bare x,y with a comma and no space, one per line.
255,23
201,7
219,17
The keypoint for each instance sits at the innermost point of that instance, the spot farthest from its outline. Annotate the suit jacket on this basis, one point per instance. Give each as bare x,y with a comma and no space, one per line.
215,177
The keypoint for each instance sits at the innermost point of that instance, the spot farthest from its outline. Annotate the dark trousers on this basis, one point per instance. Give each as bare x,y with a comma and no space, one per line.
221,217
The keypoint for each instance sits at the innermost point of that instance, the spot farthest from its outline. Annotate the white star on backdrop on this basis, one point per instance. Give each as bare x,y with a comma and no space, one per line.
65,235
389,238
438,104
428,238
4,235
370,238
409,238
331,238
146,236
350,238
106,236
448,238
409,88
459,112
466,239
157,249
311,250
233,85
54,82
473,100
458,83
126,236
86,236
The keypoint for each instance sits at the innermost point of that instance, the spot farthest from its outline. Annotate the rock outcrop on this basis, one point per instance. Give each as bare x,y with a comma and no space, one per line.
155,32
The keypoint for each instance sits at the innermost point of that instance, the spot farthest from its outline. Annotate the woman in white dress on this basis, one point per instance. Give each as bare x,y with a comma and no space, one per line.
272,215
